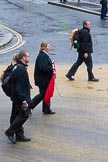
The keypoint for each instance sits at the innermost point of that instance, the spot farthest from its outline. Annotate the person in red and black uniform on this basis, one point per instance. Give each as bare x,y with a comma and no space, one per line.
42,75
84,53
20,96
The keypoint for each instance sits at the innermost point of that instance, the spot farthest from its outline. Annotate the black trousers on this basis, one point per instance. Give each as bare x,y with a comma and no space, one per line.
63,0
104,9
80,60
18,117
38,98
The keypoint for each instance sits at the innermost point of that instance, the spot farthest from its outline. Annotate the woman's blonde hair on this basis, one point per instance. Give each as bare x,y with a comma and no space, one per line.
43,46
18,56
15,57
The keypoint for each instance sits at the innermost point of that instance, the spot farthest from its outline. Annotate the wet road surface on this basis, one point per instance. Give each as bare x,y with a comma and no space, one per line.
46,22
78,132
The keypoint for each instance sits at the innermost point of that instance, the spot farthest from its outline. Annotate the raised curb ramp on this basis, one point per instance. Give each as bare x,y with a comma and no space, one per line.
88,7
5,37
9,39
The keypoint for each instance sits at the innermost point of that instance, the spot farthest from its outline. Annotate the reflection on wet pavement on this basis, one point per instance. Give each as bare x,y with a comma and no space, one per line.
77,133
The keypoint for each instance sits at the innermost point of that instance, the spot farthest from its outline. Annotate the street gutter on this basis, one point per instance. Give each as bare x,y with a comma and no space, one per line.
79,6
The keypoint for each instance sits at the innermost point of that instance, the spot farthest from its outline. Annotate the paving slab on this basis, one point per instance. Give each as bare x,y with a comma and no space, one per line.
78,132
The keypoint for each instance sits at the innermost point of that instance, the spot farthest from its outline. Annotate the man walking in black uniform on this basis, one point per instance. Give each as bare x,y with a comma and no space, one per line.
84,53
20,96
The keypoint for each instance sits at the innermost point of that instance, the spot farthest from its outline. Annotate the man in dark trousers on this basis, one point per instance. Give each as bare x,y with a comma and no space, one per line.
103,9
20,96
84,53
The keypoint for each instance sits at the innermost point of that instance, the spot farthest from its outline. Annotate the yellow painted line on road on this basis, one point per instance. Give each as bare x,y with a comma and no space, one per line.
18,44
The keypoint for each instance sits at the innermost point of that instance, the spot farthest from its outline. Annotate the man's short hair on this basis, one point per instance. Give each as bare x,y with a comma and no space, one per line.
21,54
85,22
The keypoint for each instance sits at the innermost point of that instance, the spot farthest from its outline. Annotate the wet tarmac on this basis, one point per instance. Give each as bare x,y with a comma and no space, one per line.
78,132
41,22
84,6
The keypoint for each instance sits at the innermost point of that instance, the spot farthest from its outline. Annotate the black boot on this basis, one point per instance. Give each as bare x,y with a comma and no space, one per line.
65,1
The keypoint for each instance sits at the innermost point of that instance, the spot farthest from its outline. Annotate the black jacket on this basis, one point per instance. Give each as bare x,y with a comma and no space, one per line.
20,85
85,40
43,70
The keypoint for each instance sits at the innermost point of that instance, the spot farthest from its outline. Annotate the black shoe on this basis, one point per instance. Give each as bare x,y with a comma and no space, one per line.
104,18
65,1
94,80
11,138
69,77
23,139
51,113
